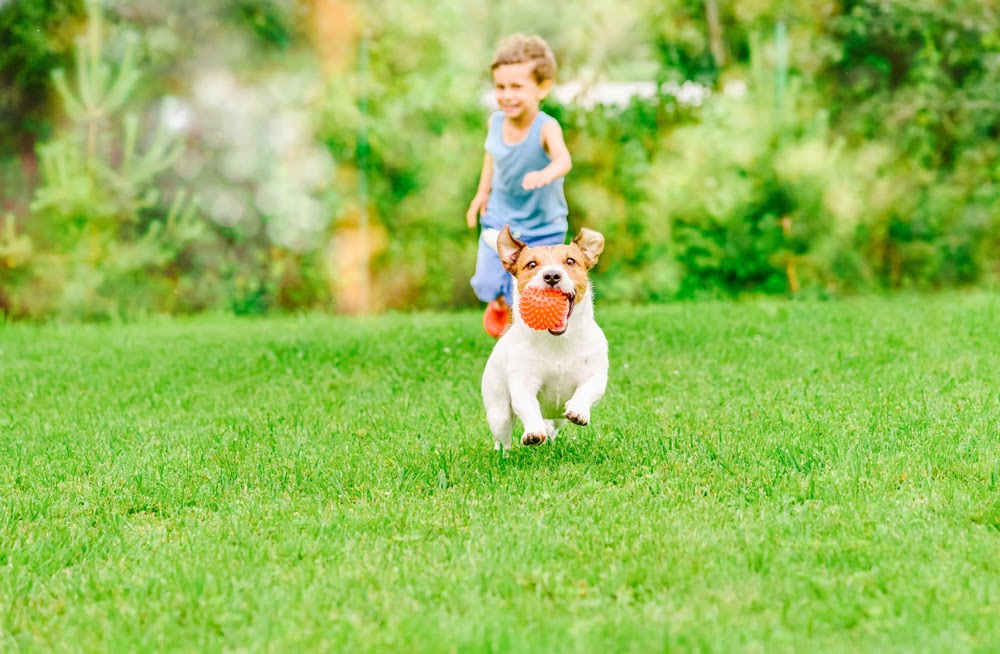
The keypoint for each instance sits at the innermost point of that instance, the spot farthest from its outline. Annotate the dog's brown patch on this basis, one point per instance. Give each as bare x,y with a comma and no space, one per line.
576,258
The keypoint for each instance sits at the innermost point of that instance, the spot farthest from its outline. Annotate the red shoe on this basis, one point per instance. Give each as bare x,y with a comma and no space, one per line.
496,319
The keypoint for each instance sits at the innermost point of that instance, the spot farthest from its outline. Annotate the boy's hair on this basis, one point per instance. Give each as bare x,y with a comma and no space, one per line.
519,49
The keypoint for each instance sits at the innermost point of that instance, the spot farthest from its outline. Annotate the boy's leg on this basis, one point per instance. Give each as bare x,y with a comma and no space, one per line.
491,284
488,281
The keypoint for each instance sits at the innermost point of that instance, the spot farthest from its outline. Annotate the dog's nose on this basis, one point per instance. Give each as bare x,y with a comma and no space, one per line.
552,278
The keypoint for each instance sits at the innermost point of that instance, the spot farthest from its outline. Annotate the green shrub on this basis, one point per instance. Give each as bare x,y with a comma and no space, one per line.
102,238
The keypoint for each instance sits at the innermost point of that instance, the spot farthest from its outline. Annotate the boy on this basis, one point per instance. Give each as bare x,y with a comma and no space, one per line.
522,180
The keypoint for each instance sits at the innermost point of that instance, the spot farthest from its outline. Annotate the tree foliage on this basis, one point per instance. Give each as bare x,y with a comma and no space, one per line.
845,146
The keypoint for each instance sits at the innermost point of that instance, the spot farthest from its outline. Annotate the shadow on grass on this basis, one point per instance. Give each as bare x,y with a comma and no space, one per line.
478,462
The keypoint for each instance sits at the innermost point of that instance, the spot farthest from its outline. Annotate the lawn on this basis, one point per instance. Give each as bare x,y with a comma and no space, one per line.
764,476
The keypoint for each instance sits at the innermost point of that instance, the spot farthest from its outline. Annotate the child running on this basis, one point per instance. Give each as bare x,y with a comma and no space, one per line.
522,180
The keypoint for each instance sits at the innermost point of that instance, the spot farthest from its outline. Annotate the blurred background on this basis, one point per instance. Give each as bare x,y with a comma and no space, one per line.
254,156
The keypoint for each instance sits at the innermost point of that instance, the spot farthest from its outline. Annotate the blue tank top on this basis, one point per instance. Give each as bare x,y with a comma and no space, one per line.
532,214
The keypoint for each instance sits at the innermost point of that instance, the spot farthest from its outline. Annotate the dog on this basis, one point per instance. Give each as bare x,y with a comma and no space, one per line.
547,377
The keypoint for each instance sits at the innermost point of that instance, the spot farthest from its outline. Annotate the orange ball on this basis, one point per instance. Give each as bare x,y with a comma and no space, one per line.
543,308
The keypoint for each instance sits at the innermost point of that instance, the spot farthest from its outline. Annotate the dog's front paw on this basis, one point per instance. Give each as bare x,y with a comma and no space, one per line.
577,415
533,438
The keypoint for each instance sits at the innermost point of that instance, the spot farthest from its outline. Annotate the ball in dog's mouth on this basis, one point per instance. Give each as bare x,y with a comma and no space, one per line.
545,309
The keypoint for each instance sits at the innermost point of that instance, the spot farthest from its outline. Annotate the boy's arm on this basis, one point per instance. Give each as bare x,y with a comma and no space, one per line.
478,205
562,163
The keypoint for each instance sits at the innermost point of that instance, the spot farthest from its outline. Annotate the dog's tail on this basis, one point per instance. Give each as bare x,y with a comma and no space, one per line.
489,236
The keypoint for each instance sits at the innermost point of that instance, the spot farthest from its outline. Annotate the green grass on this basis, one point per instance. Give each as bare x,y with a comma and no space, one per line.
764,476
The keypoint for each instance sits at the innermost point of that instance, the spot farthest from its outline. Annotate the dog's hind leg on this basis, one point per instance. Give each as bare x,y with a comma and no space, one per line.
552,427
499,413
501,420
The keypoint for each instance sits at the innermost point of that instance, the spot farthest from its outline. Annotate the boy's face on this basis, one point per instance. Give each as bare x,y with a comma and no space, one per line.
518,93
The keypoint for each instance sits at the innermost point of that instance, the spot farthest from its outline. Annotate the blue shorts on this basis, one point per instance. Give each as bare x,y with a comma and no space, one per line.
491,280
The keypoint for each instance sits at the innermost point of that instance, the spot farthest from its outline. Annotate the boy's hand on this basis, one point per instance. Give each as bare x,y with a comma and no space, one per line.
536,179
476,208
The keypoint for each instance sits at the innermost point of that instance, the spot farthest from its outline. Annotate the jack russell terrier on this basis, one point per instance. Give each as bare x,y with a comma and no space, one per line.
547,377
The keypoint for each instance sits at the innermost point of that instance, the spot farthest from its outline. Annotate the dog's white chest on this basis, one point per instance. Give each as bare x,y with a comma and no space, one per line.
558,385
563,374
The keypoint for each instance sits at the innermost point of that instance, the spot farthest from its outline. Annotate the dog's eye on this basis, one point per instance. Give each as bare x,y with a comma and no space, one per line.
531,265
571,262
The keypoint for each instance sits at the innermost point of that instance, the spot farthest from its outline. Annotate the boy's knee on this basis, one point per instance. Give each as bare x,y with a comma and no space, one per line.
485,289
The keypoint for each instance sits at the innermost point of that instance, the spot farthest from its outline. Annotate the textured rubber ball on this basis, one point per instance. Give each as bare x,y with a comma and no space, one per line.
543,308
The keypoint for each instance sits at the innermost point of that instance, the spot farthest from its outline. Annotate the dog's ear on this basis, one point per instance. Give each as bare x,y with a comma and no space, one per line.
591,243
509,249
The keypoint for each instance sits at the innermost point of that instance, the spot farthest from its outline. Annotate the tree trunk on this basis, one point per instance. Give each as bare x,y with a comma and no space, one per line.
715,33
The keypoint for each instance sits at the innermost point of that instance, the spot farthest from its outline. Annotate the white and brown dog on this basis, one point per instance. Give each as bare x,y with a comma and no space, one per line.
547,377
